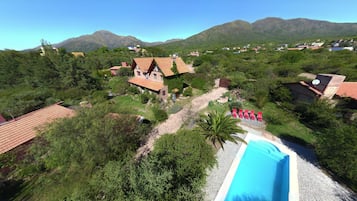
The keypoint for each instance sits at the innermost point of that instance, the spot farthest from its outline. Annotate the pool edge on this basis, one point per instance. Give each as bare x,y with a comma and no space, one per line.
293,174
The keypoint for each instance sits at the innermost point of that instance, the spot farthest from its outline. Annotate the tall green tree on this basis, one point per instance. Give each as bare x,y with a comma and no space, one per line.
219,128
337,150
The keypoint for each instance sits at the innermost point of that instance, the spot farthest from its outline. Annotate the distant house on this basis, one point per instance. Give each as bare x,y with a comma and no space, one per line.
23,129
149,73
115,69
323,86
78,54
334,49
194,54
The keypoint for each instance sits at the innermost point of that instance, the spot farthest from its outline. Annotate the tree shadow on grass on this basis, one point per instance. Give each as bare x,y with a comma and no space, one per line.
302,148
9,189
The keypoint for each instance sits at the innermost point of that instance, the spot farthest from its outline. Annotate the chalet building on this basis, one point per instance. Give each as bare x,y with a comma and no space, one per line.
149,73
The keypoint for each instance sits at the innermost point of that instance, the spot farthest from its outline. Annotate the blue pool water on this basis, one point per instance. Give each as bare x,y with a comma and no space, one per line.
262,174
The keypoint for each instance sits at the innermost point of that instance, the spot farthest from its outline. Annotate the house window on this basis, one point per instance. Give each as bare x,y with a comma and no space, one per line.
161,77
163,92
155,76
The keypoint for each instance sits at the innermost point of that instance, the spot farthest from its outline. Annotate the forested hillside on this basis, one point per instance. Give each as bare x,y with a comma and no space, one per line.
267,30
91,156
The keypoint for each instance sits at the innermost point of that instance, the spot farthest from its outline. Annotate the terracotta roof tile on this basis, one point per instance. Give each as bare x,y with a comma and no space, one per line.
348,89
155,86
181,65
24,128
166,63
144,63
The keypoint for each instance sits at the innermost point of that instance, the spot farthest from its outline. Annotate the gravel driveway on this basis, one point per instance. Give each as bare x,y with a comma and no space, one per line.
175,121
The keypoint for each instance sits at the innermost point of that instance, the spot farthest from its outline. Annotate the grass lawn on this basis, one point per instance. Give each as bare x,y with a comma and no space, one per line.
279,122
132,105
286,126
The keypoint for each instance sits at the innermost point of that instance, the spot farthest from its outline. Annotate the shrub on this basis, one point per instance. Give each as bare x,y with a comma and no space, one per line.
188,91
236,104
174,83
144,98
198,83
133,90
159,114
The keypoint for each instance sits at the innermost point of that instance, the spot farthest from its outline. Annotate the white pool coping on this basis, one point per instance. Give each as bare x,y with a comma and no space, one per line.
293,173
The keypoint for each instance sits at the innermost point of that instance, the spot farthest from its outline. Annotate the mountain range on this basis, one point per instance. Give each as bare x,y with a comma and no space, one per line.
236,32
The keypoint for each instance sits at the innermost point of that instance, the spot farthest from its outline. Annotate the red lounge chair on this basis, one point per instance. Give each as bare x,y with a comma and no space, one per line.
234,113
240,113
252,115
246,114
260,116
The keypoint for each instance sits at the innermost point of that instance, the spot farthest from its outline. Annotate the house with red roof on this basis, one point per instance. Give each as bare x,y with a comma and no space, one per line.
324,86
23,129
149,73
115,69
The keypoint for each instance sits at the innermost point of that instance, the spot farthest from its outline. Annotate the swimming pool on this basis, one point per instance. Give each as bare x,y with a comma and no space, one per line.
262,170
263,174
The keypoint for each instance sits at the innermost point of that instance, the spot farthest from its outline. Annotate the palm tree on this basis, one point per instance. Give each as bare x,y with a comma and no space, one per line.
219,128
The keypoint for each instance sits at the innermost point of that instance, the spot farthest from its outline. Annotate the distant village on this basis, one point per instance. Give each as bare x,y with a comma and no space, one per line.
332,46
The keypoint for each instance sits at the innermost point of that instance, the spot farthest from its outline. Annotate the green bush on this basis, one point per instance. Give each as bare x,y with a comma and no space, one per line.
144,98
235,104
174,83
159,114
274,118
133,90
187,91
199,83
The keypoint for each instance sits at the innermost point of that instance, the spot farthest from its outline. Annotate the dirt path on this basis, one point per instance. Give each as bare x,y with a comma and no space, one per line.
175,121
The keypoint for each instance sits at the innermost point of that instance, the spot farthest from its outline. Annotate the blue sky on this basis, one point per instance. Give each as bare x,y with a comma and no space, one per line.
23,23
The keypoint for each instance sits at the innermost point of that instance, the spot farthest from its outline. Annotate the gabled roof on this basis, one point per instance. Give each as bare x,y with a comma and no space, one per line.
348,89
152,85
164,63
181,65
143,63
23,129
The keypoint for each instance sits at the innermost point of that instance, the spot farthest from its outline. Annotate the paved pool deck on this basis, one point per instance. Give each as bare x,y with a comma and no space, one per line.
313,183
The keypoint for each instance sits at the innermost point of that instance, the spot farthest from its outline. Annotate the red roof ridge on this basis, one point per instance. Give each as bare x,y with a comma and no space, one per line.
24,128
